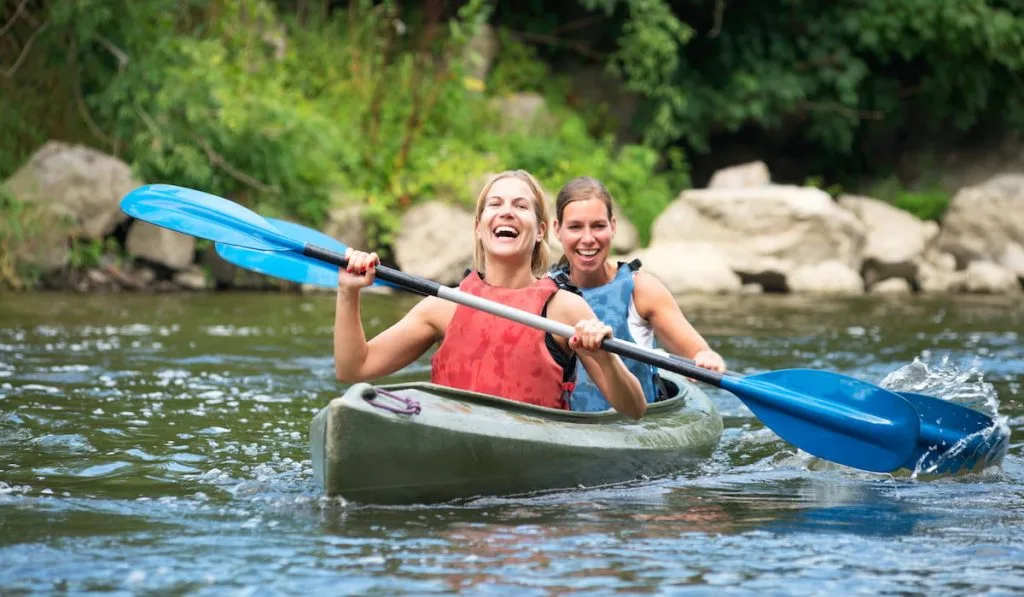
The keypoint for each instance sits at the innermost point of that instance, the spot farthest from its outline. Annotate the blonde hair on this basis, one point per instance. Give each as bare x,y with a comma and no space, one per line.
540,259
580,188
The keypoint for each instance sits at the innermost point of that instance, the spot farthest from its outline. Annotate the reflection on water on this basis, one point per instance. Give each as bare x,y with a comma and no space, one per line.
161,445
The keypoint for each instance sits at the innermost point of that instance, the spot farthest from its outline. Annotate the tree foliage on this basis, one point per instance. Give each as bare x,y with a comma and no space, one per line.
293,106
289,110
846,76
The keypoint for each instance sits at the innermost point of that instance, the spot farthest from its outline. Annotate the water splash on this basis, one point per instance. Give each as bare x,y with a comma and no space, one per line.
967,388
947,381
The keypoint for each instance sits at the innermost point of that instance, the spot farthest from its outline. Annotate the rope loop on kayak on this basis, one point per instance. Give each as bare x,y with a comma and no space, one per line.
412,407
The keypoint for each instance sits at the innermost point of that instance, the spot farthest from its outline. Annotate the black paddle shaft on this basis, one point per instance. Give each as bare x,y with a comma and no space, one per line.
612,345
399,278
662,361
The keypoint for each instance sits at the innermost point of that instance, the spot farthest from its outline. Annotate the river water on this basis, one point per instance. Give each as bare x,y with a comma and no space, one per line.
158,444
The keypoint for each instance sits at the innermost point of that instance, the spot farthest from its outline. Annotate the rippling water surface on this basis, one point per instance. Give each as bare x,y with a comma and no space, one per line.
159,443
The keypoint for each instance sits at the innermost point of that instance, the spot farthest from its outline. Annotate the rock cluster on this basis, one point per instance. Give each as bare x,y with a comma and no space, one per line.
741,234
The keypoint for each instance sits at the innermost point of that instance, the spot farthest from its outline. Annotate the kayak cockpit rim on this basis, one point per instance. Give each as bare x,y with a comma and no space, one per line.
682,400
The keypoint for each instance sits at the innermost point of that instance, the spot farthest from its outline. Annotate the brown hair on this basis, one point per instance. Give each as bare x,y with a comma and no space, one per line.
540,258
581,188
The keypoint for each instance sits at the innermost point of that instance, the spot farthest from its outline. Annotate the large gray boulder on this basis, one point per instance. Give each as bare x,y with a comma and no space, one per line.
348,225
986,222
480,52
937,273
84,184
160,245
765,232
896,240
690,268
522,111
828,277
985,277
44,244
435,241
751,174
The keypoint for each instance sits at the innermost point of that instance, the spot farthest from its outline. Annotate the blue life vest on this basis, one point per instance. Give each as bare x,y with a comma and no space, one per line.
610,303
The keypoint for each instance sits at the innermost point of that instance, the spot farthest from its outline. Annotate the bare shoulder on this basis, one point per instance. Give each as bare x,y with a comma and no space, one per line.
569,307
649,293
435,312
647,283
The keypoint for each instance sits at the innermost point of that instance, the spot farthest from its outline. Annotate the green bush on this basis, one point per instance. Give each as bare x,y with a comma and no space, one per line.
846,78
279,111
208,113
928,203
517,68
22,227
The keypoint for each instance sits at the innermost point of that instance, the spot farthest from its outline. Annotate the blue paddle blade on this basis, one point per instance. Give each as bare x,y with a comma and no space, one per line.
833,416
954,438
289,265
205,216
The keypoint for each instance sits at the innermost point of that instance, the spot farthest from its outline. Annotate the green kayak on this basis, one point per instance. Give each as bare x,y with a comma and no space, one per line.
423,443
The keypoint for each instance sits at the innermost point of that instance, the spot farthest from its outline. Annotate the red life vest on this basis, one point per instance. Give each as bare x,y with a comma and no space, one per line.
493,355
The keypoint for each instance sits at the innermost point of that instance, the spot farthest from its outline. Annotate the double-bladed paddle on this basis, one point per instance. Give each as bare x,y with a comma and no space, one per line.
829,415
953,437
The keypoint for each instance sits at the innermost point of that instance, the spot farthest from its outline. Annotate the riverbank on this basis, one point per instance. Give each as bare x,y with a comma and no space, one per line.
742,234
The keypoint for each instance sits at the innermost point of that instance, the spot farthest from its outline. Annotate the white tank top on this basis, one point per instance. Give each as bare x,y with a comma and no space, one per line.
639,327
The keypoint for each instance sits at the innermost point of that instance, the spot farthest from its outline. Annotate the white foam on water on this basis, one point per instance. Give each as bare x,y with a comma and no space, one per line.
40,388
172,374
947,381
232,331
48,330
965,387
68,368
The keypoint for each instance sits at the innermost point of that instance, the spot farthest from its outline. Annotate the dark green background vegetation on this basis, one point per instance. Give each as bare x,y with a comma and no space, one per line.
294,106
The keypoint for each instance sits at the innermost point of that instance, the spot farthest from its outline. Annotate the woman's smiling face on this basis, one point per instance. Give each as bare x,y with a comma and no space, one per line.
586,231
507,223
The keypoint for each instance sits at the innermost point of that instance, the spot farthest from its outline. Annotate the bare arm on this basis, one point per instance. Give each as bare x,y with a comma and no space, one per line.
356,360
656,304
607,370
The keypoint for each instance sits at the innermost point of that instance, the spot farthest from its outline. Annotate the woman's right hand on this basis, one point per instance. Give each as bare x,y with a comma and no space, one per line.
361,270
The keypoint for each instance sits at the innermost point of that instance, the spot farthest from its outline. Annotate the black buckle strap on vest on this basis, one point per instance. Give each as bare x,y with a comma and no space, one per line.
632,265
566,360
569,362
563,281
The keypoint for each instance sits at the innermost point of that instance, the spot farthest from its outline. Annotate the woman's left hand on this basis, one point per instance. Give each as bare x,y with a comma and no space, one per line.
709,359
589,335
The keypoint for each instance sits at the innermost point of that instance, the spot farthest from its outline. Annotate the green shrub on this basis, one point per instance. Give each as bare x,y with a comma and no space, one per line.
517,68
928,203
194,94
22,227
